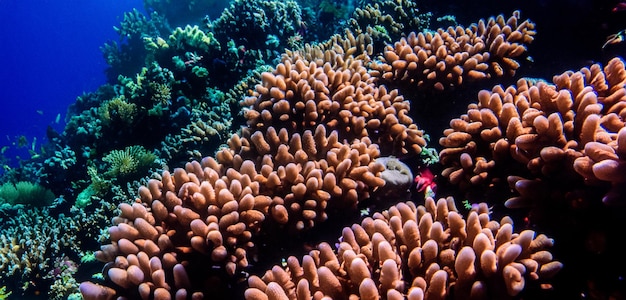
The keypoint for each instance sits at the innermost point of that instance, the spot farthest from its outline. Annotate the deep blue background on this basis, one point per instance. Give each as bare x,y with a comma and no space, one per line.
49,55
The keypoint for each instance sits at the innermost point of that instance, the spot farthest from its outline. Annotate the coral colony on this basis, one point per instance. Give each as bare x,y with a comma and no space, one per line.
222,147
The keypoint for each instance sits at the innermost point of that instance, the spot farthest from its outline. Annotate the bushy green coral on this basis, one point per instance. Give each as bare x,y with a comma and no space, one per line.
192,36
179,63
27,193
160,93
183,11
88,257
127,55
134,23
64,158
155,44
337,10
117,110
134,87
84,198
128,162
201,72
112,53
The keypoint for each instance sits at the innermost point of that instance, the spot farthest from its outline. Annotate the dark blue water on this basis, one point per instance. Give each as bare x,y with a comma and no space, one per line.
49,55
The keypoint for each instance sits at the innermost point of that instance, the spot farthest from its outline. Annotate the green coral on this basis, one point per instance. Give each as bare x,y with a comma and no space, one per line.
88,257
128,162
160,93
201,72
155,44
179,63
117,110
65,158
194,37
134,23
338,11
24,192
99,183
84,198
4,294
135,87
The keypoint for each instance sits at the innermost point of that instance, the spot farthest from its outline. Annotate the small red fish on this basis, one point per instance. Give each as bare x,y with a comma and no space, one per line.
425,180
619,7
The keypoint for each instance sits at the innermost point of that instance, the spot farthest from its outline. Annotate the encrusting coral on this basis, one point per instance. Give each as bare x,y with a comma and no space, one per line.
424,252
564,133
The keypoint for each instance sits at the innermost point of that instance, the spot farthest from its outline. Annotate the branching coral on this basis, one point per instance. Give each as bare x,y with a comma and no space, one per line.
135,24
126,57
387,20
184,11
249,23
29,244
423,252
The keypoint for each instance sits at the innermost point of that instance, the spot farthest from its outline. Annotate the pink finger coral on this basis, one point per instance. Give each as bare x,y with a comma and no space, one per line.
569,130
417,252
449,58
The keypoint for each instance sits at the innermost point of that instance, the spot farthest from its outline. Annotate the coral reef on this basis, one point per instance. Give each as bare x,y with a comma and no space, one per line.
283,122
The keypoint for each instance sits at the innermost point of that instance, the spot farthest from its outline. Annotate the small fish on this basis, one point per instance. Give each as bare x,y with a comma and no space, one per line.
39,111
619,7
58,118
33,154
615,38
